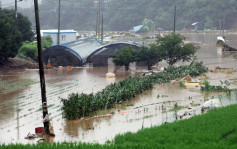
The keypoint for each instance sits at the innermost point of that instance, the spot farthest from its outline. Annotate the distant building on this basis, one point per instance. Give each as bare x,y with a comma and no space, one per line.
65,35
140,28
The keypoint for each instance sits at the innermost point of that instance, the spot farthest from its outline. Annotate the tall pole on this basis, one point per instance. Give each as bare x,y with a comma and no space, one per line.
99,20
16,9
174,18
220,27
59,6
97,23
41,68
102,27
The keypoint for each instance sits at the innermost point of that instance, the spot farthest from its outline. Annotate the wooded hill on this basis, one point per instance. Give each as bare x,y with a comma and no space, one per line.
124,14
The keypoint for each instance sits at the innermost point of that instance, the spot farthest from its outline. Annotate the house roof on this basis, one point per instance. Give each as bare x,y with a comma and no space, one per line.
137,28
55,31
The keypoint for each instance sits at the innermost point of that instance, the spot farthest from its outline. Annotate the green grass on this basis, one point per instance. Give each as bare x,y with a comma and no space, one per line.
216,129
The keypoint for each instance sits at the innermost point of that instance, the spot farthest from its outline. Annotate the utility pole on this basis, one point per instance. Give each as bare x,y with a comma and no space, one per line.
0,4
174,18
99,20
220,27
97,23
16,9
59,6
102,27
41,68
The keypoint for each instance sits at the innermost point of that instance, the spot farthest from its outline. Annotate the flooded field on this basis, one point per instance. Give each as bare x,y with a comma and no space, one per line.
20,98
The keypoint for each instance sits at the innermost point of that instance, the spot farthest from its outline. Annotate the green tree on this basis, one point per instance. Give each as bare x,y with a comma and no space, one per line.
149,54
175,49
47,42
10,37
208,23
12,33
125,56
29,49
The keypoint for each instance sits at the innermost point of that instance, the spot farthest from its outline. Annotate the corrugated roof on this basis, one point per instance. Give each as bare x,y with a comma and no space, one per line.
85,47
82,48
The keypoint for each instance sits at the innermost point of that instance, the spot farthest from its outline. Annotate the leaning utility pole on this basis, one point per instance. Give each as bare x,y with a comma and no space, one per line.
41,68
59,6
174,18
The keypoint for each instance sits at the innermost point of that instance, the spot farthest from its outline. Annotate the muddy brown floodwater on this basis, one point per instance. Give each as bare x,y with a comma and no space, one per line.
20,101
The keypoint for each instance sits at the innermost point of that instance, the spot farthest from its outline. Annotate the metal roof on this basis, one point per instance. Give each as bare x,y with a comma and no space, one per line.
80,48
55,31
105,47
137,28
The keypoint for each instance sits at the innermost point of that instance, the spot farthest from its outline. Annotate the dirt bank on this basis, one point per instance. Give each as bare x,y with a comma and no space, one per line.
17,63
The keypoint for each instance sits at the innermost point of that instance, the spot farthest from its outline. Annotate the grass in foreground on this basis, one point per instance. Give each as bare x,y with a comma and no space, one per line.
216,129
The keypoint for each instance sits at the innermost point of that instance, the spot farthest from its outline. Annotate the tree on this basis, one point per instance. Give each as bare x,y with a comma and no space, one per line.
10,37
125,56
149,54
175,49
12,33
47,42
29,49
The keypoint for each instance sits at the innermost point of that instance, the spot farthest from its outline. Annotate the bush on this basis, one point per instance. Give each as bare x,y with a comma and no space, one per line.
30,49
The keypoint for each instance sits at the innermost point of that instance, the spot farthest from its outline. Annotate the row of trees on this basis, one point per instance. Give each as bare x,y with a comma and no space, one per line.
170,48
124,14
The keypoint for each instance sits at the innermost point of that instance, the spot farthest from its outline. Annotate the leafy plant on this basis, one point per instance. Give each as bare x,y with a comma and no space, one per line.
181,84
212,88
80,105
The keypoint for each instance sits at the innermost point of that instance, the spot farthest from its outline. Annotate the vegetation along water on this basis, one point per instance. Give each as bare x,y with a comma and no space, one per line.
80,105
215,129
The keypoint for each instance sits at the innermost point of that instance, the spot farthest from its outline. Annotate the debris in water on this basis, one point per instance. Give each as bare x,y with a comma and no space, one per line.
211,104
30,136
110,75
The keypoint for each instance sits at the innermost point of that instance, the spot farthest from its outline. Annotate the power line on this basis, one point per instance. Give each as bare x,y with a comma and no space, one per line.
11,3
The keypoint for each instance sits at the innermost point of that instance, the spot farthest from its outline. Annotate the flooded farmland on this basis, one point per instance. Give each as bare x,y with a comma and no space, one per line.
20,98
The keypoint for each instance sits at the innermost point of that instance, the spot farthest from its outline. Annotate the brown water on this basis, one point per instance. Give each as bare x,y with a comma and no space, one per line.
20,101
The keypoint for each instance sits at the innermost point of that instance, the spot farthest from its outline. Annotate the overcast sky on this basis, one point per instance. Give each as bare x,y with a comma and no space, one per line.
23,3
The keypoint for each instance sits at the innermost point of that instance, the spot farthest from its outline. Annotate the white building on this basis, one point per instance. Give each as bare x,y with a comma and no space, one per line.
65,35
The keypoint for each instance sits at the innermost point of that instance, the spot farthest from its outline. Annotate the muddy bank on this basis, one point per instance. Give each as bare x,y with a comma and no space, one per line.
14,64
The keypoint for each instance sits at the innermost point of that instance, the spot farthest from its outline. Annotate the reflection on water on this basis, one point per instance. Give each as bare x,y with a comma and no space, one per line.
20,100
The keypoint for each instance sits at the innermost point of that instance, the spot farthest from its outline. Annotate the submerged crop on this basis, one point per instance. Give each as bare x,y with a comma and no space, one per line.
80,105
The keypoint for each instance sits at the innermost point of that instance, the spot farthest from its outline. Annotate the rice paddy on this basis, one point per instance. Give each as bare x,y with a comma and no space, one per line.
216,129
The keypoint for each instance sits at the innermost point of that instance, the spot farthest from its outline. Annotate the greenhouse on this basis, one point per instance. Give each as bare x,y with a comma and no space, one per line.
104,54
71,54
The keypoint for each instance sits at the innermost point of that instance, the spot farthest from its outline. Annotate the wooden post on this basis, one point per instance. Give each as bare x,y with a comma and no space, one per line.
41,68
